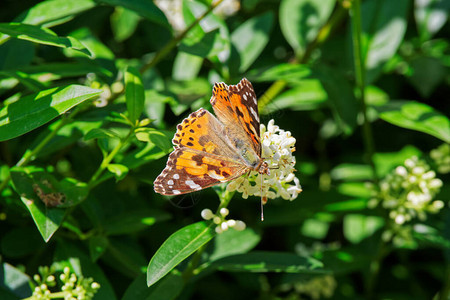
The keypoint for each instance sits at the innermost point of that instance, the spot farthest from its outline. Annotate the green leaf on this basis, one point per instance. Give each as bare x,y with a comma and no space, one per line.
250,39
416,116
119,171
359,227
43,36
291,73
351,172
262,261
45,197
186,66
133,220
124,23
14,281
314,228
100,133
35,110
134,94
428,73
47,219
177,248
146,9
156,137
232,242
309,94
301,20
383,32
97,246
430,16
167,288
385,162
210,37
52,12
15,54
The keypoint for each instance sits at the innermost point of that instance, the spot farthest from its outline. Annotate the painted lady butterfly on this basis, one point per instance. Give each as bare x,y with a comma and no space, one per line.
210,150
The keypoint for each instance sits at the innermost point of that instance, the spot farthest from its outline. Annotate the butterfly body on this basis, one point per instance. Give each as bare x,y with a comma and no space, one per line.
210,150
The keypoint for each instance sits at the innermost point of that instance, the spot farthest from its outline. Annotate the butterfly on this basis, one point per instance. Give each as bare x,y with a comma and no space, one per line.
209,150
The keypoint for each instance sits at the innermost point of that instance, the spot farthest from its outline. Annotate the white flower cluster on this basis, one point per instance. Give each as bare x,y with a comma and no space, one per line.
277,148
441,157
221,222
318,287
408,192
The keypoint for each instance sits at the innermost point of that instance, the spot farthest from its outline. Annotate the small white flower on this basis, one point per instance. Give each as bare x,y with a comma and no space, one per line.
240,226
277,148
224,211
207,214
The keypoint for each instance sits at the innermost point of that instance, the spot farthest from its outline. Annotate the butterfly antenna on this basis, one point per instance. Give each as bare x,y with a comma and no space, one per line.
262,204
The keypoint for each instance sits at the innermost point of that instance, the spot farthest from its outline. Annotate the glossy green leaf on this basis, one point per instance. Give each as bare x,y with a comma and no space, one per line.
55,71
146,9
385,162
301,20
210,37
15,54
430,16
351,172
232,242
250,38
382,32
35,110
358,227
124,23
52,12
47,219
341,98
133,220
261,261
97,246
167,288
186,66
42,35
119,171
45,197
134,94
291,73
100,133
161,140
416,116
14,282
177,248
309,94
314,228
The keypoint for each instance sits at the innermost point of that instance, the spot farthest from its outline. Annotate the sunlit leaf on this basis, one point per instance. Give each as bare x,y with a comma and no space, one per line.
35,110
416,116
177,248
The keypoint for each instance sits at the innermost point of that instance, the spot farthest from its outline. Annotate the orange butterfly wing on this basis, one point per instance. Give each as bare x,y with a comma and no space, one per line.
202,157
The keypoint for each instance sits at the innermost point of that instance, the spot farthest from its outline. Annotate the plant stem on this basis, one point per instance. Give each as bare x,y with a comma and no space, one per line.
360,77
173,43
107,160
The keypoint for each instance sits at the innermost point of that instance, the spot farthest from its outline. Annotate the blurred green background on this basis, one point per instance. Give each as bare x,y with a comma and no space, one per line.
91,94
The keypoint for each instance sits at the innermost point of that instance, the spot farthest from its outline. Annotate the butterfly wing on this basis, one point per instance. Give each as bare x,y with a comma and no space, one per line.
202,157
237,108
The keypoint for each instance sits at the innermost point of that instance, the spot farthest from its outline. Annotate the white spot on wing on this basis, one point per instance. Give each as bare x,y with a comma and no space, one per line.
170,182
252,110
245,97
176,176
193,185
176,192
213,174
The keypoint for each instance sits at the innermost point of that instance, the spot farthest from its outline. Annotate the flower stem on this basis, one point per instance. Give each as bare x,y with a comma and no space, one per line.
174,42
360,77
